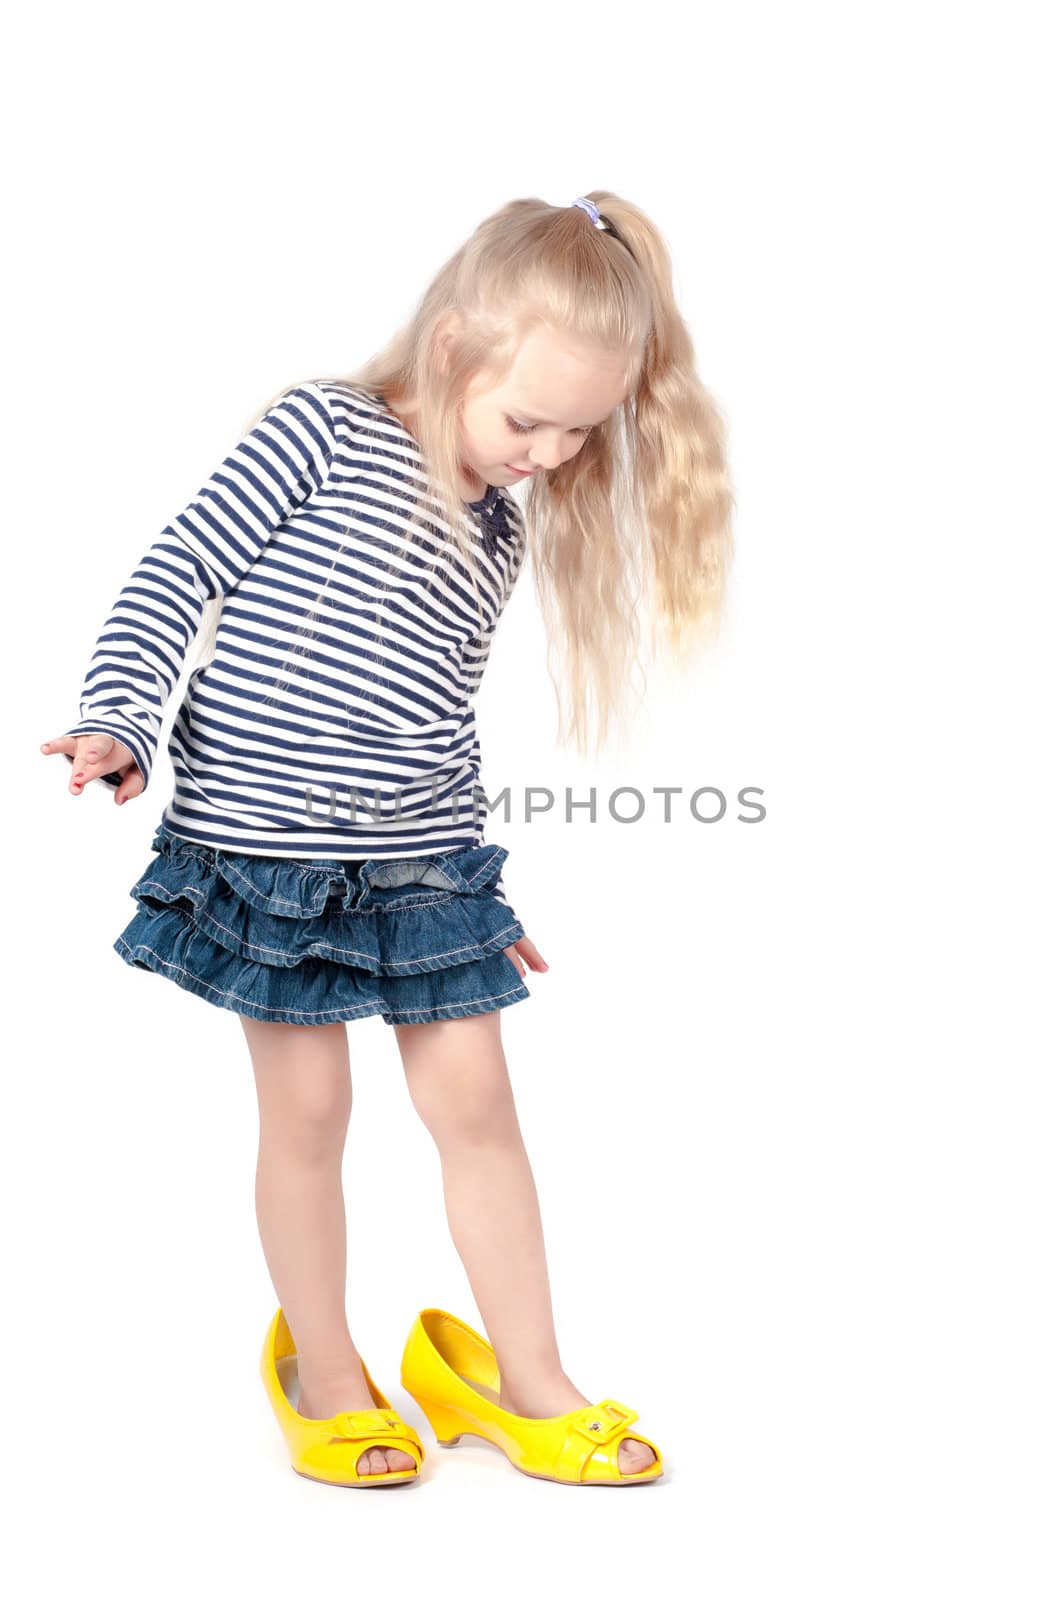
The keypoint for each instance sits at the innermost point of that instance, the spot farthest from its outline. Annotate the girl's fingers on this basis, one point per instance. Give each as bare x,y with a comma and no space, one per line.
95,755
88,760
525,948
98,751
531,955
65,745
131,785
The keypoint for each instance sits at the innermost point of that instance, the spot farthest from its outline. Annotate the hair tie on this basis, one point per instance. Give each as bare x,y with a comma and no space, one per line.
601,221
592,211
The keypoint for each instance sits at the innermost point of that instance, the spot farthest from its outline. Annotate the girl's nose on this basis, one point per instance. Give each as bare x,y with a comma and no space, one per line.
542,455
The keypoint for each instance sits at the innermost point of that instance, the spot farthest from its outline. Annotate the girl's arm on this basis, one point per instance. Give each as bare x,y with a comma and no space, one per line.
475,663
199,556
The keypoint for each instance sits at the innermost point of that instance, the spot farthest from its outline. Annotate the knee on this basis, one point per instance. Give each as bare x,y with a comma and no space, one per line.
467,1109
311,1122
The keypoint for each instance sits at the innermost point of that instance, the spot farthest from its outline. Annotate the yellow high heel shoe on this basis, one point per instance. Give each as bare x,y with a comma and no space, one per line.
451,1371
328,1449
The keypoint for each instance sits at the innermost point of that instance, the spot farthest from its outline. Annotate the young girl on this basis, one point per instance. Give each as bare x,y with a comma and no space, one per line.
323,855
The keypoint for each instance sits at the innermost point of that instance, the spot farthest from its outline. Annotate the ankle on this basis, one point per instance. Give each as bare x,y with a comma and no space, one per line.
319,1377
522,1378
535,1364
326,1399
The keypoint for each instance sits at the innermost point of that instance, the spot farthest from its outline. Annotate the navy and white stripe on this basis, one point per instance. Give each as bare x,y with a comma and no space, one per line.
374,696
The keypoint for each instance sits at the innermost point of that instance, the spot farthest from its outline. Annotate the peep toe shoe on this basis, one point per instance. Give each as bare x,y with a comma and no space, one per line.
328,1449
452,1373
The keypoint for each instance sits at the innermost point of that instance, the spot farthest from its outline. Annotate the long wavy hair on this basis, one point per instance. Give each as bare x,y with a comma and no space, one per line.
638,523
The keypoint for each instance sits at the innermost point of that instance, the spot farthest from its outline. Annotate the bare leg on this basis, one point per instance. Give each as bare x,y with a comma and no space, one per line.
303,1081
459,1083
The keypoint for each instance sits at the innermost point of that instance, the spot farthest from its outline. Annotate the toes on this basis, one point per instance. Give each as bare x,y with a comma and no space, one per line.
634,1456
382,1459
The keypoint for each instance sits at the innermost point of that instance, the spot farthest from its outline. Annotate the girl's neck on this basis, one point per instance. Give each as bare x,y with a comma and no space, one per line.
470,477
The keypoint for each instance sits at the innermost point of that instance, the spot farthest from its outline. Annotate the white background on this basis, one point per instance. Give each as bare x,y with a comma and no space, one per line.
791,1092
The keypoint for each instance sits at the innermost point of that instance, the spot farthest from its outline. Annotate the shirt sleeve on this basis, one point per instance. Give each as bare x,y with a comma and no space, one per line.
500,895
478,647
201,555
475,664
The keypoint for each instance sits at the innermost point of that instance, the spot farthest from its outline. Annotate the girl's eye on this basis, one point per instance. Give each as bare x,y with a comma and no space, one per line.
530,428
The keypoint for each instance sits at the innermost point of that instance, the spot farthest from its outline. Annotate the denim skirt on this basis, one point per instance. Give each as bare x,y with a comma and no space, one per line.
415,939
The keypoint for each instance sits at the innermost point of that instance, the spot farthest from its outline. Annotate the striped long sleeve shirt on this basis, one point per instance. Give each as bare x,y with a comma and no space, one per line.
334,718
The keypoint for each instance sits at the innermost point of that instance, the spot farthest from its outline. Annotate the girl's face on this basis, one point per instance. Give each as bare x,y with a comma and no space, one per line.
554,396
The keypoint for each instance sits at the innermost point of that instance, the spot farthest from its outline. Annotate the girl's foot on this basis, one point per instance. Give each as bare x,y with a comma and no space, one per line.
353,1395
552,1398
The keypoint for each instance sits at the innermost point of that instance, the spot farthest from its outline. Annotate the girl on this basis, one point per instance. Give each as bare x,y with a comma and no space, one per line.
323,857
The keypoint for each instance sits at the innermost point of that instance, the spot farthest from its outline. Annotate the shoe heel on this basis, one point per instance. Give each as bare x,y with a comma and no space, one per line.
441,1421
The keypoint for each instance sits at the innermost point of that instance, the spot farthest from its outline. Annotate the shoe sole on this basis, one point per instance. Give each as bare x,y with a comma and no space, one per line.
370,1480
629,1480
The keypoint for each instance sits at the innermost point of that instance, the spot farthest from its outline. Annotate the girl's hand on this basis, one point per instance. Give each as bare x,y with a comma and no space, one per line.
525,948
94,755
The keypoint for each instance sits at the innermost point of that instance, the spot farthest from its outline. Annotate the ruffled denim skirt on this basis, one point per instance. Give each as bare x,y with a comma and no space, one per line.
415,939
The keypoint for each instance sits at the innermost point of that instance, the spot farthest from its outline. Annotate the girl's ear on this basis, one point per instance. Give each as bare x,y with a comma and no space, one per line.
446,333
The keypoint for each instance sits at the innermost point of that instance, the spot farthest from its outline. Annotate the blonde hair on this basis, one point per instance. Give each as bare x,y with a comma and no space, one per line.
643,511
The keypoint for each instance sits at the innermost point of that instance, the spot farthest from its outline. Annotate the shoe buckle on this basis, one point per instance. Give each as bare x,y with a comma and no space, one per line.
360,1424
604,1421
